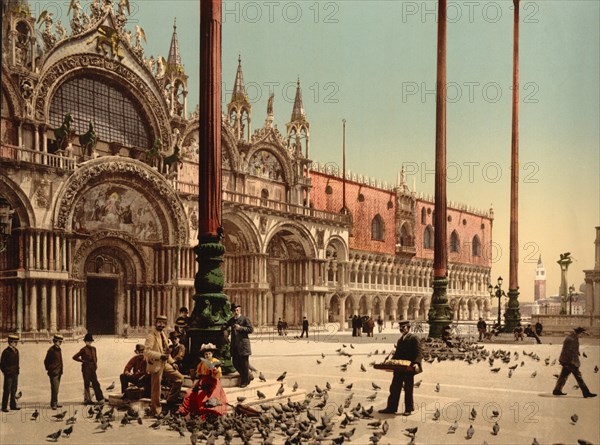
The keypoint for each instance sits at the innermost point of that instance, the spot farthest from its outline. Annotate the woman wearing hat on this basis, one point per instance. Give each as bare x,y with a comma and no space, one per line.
207,389
89,364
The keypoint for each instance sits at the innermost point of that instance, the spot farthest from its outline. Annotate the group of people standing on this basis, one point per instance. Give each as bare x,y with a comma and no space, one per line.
154,362
364,324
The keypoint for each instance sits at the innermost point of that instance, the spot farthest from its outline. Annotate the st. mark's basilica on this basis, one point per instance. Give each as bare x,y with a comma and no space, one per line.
99,169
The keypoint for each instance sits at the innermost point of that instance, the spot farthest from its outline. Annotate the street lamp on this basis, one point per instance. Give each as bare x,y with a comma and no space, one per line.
497,292
572,297
6,214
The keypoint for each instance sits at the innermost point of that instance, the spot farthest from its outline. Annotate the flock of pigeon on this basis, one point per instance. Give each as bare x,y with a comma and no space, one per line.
315,420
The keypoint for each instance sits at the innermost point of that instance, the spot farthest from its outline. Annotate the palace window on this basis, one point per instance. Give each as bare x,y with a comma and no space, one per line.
423,216
428,238
476,246
377,229
454,242
116,117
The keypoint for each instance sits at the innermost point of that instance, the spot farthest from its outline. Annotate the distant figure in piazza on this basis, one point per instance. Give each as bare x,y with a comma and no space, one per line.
304,327
159,362
481,328
519,333
207,397
379,324
408,348
569,360
88,358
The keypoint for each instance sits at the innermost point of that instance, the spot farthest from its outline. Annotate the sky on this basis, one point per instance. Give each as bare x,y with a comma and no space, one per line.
373,63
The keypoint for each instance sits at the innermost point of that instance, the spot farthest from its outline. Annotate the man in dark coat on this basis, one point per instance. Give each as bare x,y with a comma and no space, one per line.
9,364
304,327
569,360
240,343
89,364
408,348
54,366
481,328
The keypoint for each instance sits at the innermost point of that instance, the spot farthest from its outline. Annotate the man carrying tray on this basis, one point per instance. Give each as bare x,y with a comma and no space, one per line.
409,349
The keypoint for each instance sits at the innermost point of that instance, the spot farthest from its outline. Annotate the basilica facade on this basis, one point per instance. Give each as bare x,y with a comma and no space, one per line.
99,165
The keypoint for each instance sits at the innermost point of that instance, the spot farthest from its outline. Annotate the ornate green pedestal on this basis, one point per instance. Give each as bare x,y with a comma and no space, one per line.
512,316
211,306
440,314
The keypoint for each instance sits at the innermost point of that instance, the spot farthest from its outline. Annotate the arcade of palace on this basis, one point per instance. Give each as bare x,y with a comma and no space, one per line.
105,214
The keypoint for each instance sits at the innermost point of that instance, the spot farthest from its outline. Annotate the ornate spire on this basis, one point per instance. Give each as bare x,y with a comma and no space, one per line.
174,60
239,90
298,111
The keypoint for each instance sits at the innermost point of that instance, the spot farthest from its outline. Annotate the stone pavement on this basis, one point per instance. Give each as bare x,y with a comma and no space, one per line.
526,408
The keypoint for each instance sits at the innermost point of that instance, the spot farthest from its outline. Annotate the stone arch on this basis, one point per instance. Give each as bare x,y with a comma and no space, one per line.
152,105
129,174
295,233
239,230
11,92
18,201
228,142
282,157
338,245
363,305
335,306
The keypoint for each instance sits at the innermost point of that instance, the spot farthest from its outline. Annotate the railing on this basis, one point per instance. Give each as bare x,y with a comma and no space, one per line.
37,157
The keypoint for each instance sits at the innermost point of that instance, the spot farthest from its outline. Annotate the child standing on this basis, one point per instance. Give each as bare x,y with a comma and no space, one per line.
89,364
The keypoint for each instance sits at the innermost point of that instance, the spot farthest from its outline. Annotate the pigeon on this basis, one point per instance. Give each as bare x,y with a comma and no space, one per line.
54,436
260,395
68,431
111,386
35,415
90,412
362,368
155,425
417,384
596,369
495,429
342,380
282,376
470,432
71,420
280,390
372,397
473,415
295,387
574,419
513,367
411,432
18,395
318,362
436,415
261,377
140,421
495,414
241,399
375,386
509,373
104,426
452,428
584,442
533,374
437,387
535,442
351,346
584,354
495,369
60,416
349,386
327,386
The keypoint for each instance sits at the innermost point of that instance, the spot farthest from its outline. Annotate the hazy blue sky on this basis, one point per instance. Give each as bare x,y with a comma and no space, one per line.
373,63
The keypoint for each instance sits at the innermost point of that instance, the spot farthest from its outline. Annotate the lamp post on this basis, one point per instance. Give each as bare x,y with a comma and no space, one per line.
572,297
6,214
497,292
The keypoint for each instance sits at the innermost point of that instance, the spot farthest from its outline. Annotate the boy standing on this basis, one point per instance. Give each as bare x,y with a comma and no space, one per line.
89,364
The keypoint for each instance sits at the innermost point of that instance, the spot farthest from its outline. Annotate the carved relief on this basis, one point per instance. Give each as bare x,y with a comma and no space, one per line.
135,173
320,238
42,193
263,224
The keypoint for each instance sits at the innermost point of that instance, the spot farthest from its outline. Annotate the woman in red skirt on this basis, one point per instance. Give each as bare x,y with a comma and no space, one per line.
206,398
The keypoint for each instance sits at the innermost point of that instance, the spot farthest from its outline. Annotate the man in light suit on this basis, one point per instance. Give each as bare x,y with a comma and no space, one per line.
159,362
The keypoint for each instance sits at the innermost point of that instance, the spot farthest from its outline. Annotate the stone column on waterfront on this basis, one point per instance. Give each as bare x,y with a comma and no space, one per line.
440,314
512,316
211,306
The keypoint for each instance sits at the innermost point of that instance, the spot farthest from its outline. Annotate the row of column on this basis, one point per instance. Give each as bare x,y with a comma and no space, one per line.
37,250
245,268
144,303
42,305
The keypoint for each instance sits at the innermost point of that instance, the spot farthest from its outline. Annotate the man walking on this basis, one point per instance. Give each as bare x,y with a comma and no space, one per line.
54,366
159,362
408,348
569,360
240,343
304,327
9,364
482,328
89,364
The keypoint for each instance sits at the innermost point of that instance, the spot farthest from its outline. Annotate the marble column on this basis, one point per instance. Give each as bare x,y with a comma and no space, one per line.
44,305
53,308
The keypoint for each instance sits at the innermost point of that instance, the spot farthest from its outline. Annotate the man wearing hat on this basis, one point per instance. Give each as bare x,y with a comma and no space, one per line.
135,371
240,343
177,350
159,362
569,360
54,366
407,348
9,364
89,364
